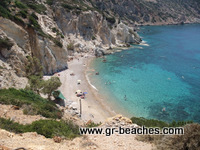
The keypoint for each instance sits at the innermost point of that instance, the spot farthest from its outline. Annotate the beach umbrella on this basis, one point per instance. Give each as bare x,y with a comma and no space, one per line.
79,92
79,81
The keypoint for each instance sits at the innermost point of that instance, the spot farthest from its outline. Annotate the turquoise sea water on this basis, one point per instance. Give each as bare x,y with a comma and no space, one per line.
165,74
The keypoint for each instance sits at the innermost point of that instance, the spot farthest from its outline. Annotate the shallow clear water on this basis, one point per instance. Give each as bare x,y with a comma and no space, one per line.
165,74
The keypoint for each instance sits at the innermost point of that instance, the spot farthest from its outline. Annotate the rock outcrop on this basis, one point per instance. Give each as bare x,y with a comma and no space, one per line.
119,121
91,32
13,57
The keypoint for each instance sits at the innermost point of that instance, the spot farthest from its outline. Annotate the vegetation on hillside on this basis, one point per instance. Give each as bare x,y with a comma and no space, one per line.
23,12
48,128
34,72
157,123
51,85
70,46
5,43
33,67
31,103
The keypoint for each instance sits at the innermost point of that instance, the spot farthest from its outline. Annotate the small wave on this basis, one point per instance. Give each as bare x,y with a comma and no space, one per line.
143,43
139,47
90,83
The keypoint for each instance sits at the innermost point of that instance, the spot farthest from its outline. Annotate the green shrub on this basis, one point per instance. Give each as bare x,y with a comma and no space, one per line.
5,3
11,126
39,8
18,20
20,5
48,128
58,43
51,128
34,16
70,46
5,43
91,124
179,123
23,13
157,123
93,37
21,97
33,67
148,122
69,7
62,36
5,13
111,20
49,2
51,85
55,30
33,22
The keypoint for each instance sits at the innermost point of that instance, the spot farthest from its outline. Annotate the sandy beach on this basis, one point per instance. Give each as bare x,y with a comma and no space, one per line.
93,107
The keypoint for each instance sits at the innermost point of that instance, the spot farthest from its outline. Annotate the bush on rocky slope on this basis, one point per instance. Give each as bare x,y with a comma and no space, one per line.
48,128
35,103
5,43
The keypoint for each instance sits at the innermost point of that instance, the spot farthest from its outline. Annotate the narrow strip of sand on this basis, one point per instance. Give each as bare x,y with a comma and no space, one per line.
93,107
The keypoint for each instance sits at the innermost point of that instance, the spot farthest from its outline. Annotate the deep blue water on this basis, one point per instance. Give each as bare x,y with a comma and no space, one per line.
165,74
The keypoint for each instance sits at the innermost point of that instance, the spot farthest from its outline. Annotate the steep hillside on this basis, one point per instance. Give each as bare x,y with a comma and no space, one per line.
152,12
50,31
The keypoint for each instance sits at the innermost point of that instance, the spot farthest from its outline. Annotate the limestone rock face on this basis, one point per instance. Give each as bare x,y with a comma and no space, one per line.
17,33
15,56
90,31
25,43
12,62
124,34
9,78
53,58
47,24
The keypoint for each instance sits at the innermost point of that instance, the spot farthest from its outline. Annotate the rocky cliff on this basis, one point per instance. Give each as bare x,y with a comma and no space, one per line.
52,30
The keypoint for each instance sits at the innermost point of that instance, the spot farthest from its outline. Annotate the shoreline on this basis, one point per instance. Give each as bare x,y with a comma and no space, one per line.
92,106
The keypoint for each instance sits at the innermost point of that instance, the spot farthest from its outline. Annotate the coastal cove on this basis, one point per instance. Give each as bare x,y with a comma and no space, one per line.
158,79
